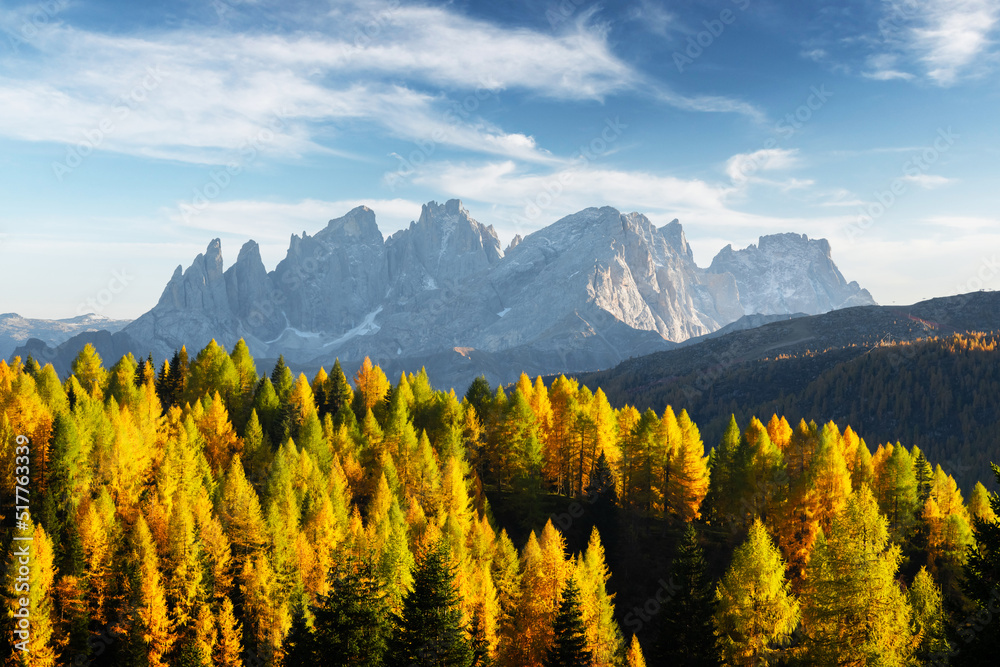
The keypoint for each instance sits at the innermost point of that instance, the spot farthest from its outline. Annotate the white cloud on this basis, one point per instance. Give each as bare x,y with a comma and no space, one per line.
884,67
887,75
213,91
946,39
928,181
742,166
964,223
525,201
884,263
420,73
952,34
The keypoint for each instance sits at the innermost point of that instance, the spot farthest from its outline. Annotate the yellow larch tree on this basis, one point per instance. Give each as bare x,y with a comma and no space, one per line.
150,634
979,504
687,485
221,441
597,606
854,610
229,646
756,613
780,432
559,438
33,639
371,386
634,657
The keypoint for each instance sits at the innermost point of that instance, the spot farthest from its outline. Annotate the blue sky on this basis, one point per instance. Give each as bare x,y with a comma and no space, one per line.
131,135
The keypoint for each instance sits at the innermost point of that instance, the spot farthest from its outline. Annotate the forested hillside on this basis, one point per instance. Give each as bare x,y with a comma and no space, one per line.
937,393
203,514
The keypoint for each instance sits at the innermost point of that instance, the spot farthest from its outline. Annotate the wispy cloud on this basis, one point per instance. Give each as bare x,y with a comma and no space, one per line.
938,41
928,181
741,167
950,35
884,67
525,200
220,88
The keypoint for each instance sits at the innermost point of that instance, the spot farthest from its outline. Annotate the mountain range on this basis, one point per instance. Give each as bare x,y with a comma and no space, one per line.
16,330
584,293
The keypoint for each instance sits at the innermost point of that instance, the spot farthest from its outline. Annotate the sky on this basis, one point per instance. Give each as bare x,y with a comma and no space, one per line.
131,135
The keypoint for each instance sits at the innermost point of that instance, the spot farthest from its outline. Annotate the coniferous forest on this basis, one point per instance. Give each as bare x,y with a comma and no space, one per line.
208,513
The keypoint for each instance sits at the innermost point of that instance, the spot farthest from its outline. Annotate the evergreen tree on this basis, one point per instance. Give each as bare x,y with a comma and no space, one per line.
479,394
981,633
429,631
923,474
686,636
722,498
300,648
282,379
338,395
64,494
569,647
268,407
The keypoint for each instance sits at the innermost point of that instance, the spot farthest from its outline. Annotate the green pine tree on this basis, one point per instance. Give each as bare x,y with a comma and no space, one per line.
687,631
570,646
980,633
430,631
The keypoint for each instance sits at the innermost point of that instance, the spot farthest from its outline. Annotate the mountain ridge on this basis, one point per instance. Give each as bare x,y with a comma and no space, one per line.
586,292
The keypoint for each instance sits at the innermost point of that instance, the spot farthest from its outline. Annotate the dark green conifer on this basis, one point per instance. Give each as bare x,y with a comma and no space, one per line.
570,646
980,632
430,631
687,635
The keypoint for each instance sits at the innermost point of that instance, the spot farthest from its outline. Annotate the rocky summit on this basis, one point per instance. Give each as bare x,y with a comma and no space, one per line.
586,292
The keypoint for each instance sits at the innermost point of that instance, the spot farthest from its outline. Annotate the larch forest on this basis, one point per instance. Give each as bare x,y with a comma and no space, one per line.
203,513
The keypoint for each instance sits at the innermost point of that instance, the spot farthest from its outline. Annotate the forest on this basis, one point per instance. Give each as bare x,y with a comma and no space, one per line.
204,513
938,393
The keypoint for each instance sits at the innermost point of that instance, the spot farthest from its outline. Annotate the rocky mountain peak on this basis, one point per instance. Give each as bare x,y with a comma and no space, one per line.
788,273
584,292
673,232
358,225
